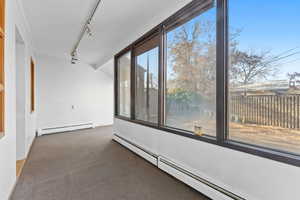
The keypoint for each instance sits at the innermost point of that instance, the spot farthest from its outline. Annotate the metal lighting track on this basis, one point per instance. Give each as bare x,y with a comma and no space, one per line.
85,27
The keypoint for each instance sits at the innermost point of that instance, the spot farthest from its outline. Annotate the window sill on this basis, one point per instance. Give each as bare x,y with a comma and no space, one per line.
284,157
265,152
205,138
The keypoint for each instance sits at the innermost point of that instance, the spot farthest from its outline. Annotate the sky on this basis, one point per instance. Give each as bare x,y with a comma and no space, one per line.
265,25
269,25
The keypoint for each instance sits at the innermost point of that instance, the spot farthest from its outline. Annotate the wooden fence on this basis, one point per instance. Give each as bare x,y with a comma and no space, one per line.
270,110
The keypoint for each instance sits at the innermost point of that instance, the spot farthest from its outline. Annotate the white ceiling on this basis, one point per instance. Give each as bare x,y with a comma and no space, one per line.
56,24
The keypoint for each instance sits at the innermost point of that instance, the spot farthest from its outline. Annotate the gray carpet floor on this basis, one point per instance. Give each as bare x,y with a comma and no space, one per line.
88,165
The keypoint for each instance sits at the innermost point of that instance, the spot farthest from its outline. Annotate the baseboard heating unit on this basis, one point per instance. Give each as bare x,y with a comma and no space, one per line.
146,154
60,129
202,185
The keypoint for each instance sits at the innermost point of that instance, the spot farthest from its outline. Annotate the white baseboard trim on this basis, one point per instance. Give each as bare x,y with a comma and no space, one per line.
103,124
51,130
30,146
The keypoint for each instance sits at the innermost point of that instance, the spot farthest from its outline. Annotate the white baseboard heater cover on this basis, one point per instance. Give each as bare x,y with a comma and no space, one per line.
144,153
61,129
202,185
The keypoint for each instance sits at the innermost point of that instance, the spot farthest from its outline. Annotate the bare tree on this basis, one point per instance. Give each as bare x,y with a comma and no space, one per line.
248,67
192,53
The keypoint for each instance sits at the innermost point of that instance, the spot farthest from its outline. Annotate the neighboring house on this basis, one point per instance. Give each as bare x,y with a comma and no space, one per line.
274,87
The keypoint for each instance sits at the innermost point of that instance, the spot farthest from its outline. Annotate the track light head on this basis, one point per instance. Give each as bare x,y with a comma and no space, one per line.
86,29
89,30
74,57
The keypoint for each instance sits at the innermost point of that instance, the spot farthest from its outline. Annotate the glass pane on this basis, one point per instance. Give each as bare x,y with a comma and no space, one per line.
191,75
264,73
124,63
147,86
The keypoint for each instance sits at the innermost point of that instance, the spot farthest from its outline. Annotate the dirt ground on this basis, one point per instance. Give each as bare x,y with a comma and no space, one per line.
274,137
284,139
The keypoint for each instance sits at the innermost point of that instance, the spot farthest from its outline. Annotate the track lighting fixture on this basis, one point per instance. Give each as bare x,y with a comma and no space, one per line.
85,30
73,62
89,30
74,57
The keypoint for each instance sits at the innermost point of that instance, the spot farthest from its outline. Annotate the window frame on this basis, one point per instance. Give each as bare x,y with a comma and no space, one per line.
116,82
32,85
154,33
191,10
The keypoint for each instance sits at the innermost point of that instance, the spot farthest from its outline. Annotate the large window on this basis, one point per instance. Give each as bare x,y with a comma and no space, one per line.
264,73
191,75
147,61
124,85
225,72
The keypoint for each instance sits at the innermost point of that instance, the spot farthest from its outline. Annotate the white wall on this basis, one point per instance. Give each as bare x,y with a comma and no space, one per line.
26,120
61,86
20,101
14,18
252,177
